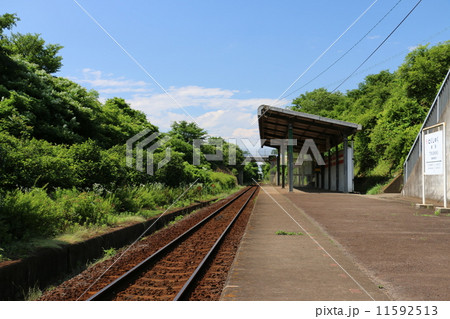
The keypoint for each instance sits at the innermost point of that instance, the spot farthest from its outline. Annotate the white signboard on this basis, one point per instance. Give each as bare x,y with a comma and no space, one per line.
433,153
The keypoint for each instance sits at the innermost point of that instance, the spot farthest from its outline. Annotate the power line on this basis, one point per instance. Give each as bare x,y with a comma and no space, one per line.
400,53
379,46
323,53
134,60
316,60
343,55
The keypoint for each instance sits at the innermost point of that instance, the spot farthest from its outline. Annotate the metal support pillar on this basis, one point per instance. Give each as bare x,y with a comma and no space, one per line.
290,159
278,167
322,175
337,168
345,164
283,167
329,169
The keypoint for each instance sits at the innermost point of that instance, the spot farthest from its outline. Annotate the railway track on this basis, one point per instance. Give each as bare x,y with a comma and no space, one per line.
172,272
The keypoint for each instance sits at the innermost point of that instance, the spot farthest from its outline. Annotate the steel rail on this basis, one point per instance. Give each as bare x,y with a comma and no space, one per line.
110,290
183,293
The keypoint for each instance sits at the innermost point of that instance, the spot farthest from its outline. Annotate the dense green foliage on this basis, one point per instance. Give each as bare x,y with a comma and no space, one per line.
188,132
251,173
390,107
63,153
36,213
266,171
32,48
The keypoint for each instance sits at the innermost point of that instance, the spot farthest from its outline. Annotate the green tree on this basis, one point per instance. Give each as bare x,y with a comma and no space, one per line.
319,102
390,106
188,131
423,71
7,21
364,107
7,65
55,109
32,48
118,122
251,172
266,171
31,162
173,173
182,136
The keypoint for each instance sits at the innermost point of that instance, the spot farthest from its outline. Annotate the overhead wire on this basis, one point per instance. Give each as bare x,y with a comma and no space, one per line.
398,54
343,55
379,46
327,49
139,65
319,57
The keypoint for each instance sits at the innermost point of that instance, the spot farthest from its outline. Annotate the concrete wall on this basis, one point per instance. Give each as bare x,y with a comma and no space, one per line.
395,186
341,171
305,176
273,173
434,184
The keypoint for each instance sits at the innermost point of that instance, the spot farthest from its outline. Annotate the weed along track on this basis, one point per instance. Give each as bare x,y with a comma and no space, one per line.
171,272
193,265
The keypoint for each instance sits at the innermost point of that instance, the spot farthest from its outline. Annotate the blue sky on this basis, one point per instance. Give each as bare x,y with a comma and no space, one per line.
219,60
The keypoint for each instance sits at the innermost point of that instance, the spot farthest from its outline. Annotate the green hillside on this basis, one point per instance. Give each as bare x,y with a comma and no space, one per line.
62,153
390,106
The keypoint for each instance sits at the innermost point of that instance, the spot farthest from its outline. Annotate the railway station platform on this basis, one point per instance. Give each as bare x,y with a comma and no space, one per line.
305,264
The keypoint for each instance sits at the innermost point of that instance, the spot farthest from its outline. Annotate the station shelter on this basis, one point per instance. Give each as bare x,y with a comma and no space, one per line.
313,151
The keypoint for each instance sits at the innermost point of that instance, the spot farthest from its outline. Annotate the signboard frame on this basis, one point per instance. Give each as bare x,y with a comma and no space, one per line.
434,171
433,154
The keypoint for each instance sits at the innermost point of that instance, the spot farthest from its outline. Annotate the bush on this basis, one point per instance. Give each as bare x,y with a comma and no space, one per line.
132,199
29,163
86,159
144,197
251,172
27,214
222,180
114,173
172,173
197,173
83,208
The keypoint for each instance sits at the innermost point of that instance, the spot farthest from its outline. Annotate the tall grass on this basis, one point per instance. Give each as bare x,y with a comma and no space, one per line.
36,213
26,214
375,189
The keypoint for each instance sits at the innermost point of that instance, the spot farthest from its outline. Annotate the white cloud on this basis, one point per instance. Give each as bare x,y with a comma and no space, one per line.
106,84
412,48
246,132
222,112
191,96
231,121
210,120
201,92
164,122
122,90
373,37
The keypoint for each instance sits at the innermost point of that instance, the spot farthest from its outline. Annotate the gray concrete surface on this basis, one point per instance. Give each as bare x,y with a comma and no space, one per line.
293,267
